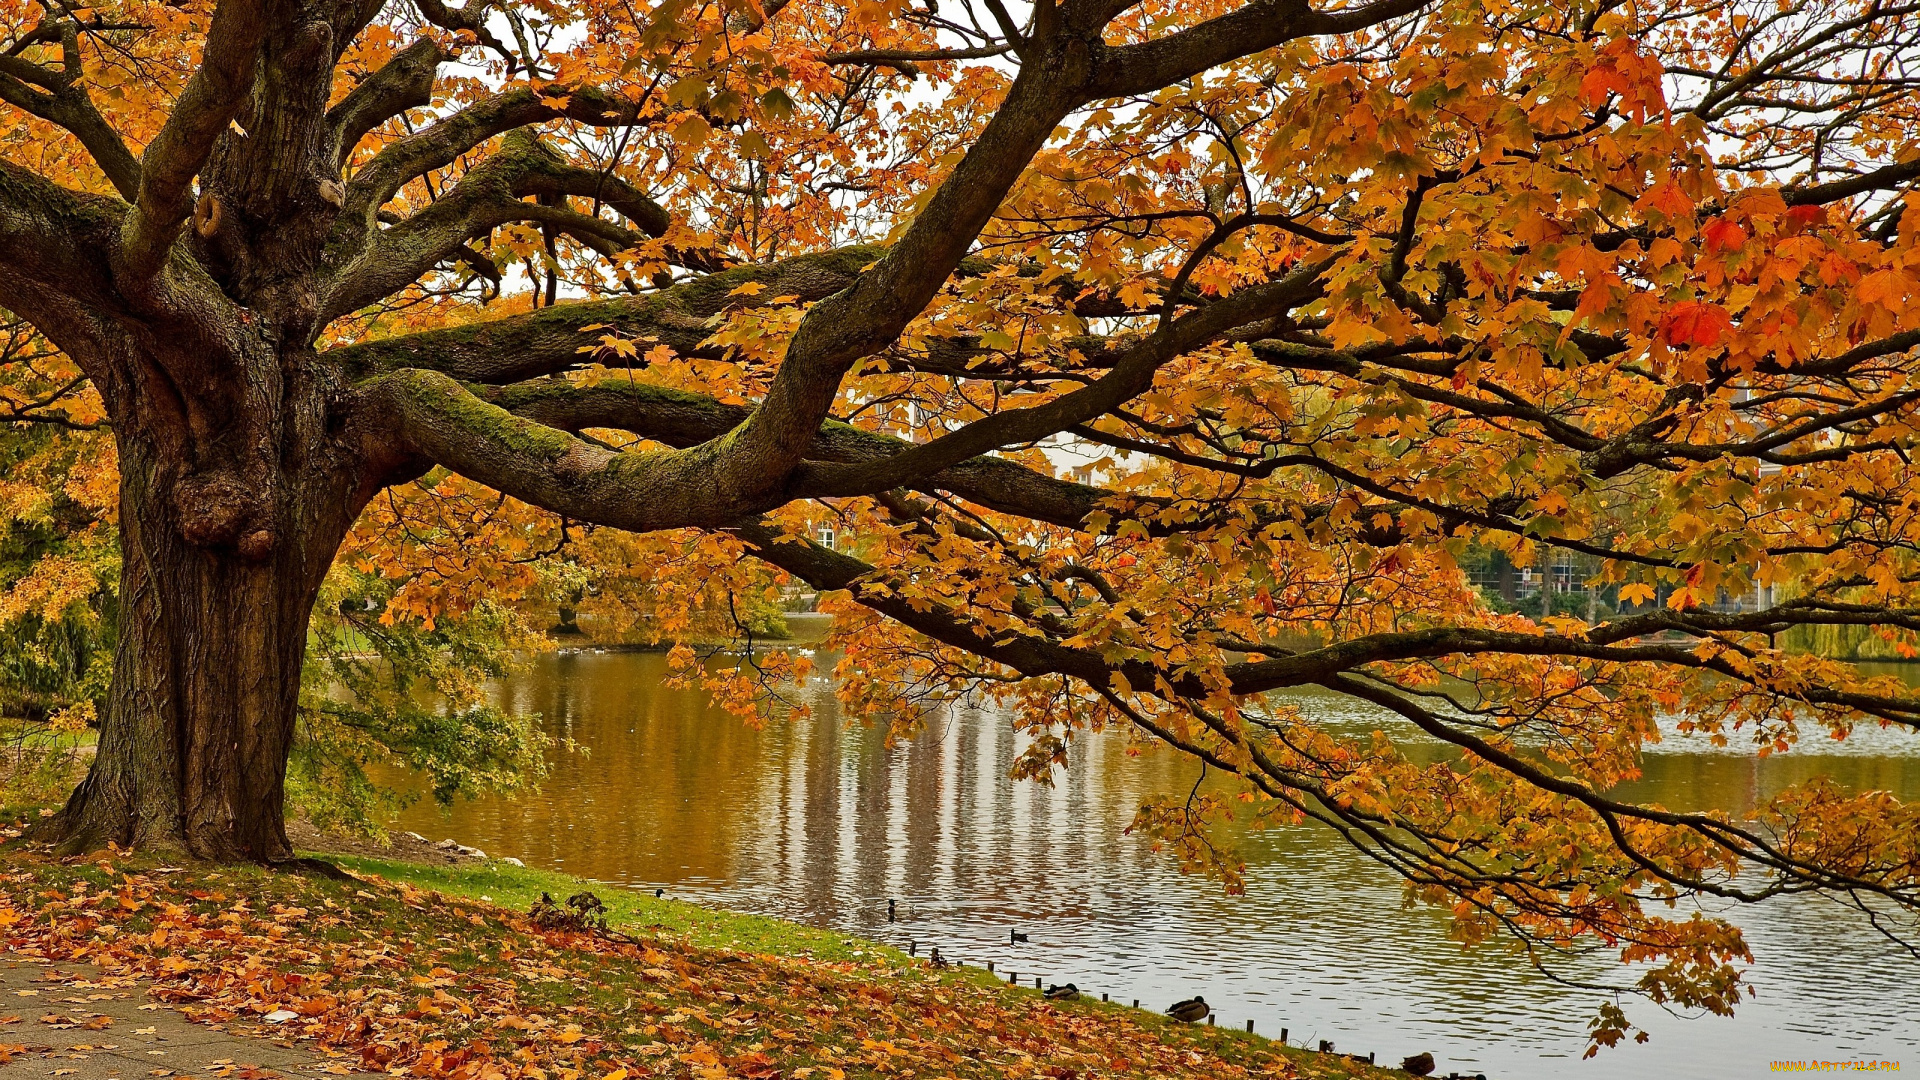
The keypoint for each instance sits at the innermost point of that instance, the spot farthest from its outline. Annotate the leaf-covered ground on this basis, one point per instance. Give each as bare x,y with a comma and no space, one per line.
387,975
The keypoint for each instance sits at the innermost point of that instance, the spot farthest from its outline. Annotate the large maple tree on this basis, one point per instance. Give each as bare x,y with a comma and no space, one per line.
1325,299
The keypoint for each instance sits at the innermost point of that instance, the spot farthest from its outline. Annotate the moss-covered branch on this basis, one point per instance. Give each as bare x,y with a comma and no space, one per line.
491,194
550,340
708,484
678,418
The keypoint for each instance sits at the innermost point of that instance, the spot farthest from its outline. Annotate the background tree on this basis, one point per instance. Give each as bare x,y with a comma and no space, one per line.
58,616
1337,294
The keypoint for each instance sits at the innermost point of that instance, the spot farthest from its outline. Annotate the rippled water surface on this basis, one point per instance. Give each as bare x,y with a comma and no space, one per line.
822,824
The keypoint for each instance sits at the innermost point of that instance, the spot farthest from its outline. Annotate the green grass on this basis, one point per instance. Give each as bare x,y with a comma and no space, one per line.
38,737
627,909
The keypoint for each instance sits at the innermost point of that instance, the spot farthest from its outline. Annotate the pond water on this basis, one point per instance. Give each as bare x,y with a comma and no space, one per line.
822,824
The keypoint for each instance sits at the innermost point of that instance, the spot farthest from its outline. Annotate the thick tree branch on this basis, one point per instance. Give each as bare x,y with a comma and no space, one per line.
490,195
404,82
1261,25
522,341
213,96
517,440
442,143
50,238
1059,74
442,421
550,340
682,419
1886,178
549,174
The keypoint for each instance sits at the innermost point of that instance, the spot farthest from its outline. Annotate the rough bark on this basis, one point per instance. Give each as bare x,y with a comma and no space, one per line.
219,572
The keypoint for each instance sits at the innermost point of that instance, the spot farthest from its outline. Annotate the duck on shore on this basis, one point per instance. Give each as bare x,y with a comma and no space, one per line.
1420,1064
1069,992
1192,1010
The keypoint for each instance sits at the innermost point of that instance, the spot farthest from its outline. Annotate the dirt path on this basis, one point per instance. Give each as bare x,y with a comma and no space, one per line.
70,1021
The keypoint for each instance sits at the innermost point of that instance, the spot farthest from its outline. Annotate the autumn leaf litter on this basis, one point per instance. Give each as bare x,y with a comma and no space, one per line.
386,977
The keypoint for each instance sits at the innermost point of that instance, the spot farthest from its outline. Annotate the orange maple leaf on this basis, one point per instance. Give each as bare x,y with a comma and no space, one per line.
1667,198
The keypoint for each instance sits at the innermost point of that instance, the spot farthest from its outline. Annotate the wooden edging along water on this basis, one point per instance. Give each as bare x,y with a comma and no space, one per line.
1013,981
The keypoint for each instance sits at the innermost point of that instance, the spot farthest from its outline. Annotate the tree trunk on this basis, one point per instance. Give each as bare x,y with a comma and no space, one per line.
221,561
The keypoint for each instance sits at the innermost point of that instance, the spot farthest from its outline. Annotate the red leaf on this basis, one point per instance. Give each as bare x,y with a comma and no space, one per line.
1723,235
1696,323
1807,216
